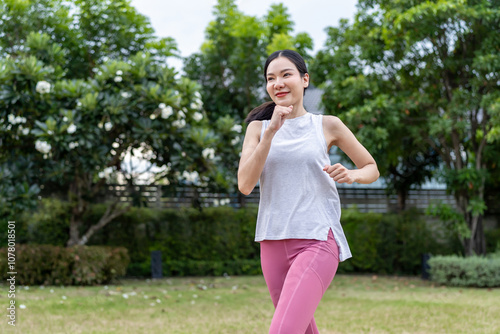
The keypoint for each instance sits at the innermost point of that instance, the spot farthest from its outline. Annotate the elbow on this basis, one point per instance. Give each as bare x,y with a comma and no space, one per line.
245,190
244,187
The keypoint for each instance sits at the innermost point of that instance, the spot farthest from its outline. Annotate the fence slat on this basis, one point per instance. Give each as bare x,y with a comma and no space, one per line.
366,199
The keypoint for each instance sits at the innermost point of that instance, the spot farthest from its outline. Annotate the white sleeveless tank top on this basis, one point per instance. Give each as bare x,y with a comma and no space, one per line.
298,200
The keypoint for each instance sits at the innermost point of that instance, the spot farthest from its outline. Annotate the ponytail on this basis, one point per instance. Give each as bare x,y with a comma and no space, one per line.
262,112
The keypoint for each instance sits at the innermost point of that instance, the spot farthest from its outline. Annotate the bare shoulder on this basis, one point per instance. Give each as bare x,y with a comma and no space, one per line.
332,129
253,131
332,122
254,126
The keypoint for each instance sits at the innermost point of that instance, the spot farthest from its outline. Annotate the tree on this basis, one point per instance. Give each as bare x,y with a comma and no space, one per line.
73,126
423,73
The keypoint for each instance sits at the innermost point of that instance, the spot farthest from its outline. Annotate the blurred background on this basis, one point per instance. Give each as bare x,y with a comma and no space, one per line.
121,125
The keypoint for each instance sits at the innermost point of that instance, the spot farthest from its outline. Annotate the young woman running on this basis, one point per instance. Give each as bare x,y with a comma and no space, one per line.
298,224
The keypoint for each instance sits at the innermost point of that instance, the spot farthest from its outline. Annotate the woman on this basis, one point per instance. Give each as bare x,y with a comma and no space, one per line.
298,224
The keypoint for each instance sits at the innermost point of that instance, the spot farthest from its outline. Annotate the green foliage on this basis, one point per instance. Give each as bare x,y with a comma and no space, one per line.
212,240
425,72
82,91
391,243
454,220
218,240
53,265
471,271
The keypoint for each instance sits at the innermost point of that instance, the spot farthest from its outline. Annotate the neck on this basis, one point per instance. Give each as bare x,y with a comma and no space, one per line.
298,110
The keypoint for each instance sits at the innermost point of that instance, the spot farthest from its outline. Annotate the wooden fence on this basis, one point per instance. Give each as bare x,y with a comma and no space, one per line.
366,199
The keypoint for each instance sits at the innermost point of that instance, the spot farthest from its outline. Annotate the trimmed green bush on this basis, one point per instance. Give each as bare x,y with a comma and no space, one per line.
54,265
390,243
194,242
218,240
471,271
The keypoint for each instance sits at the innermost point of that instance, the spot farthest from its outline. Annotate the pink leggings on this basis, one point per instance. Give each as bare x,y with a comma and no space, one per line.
297,273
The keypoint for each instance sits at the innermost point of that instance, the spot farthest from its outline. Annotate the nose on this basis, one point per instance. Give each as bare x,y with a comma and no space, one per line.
278,84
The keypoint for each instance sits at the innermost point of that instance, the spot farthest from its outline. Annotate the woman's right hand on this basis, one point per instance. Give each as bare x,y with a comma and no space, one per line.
280,114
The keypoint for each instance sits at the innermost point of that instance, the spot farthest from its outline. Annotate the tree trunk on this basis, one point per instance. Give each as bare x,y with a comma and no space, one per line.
402,195
476,244
78,208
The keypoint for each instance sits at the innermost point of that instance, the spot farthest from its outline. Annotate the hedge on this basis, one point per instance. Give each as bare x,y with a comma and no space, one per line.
219,240
55,265
474,271
199,243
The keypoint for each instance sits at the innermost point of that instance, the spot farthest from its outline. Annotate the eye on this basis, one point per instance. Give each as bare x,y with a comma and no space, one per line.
269,79
286,75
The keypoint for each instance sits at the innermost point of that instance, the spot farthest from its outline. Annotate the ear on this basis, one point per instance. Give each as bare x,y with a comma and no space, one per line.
305,80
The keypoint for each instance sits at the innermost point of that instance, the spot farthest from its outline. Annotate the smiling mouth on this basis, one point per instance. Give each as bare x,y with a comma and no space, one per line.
281,94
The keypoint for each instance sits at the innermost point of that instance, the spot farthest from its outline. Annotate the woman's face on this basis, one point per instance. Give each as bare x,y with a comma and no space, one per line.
285,86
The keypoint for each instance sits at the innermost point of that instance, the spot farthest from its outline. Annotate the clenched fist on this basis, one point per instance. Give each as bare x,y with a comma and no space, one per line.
340,174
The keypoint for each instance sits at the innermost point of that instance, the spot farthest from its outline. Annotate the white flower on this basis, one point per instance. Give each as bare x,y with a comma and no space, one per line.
65,119
197,116
50,132
42,147
26,131
197,95
162,106
16,119
237,128
208,153
20,120
73,145
152,116
100,125
125,296
78,104
108,126
64,297
72,129
22,306
118,79
105,174
167,112
119,72
195,105
125,95
42,87
190,177
179,123
181,114
235,141
115,145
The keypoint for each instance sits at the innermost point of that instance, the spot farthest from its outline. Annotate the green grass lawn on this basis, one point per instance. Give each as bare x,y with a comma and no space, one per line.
353,304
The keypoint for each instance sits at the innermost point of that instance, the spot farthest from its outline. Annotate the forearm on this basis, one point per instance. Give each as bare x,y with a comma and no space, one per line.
367,174
251,167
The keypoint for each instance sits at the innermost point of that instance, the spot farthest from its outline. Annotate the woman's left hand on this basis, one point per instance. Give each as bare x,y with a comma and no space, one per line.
340,174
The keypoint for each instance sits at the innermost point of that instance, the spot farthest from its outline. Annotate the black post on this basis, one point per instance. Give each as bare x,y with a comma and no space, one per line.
156,270
425,266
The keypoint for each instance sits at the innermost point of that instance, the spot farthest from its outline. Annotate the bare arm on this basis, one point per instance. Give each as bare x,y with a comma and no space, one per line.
254,152
336,133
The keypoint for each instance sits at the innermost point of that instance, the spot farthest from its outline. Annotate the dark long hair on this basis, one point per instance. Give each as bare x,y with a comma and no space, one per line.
265,110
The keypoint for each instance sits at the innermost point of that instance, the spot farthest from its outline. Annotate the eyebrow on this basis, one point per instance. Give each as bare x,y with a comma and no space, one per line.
286,69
